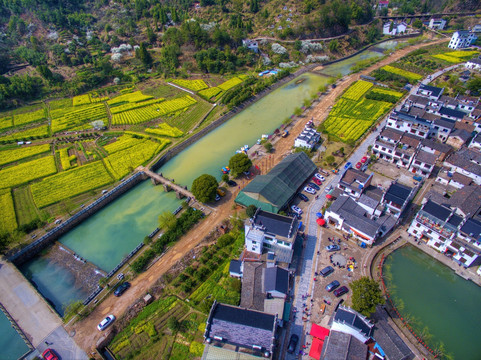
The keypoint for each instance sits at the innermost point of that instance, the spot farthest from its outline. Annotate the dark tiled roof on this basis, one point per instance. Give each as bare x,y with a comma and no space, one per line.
462,179
398,193
354,320
477,139
466,159
275,224
410,140
455,220
391,134
415,111
435,91
461,134
426,157
475,61
276,279
445,123
416,99
451,112
341,346
396,115
472,228
430,116
368,201
374,192
436,210
251,294
235,266
467,199
353,175
354,215
241,326
464,126
442,148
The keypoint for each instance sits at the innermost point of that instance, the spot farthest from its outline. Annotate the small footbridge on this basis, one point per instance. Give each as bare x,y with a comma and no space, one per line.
166,183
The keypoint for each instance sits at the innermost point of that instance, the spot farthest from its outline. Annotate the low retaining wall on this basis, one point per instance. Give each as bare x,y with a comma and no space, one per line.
34,248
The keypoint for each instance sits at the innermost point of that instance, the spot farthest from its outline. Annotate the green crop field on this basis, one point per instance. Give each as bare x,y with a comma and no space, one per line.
357,90
187,119
24,205
407,74
123,142
194,85
134,105
210,92
12,155
151,112
456,56
133,97
6,122
26,172
64,119
125,161
29,117
229,84
41,131
164,129
8,221
67,184
60,104
64,158
379,90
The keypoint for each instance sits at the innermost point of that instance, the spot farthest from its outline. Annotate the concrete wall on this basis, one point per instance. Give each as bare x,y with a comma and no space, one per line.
34,248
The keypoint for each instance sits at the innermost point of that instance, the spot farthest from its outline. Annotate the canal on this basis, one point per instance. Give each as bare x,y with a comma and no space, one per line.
11,344
439,302
106,237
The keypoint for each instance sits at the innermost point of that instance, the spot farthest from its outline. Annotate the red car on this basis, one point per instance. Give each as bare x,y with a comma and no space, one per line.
358,165
316,181
49,355
364,159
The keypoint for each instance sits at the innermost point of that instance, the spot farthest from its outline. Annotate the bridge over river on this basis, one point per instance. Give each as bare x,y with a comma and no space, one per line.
168,184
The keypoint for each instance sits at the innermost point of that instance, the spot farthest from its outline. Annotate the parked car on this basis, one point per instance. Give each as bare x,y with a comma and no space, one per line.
217,197
333,247
358,165
327,189
121,288
341,291
326,271
220,192
231,183
332,285
316,181
320,177
48,354
302,197
309,190
106,322
364,159
314,186
347,166
292,344
296,209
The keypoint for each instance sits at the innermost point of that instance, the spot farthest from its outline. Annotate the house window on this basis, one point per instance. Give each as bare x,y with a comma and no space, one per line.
430,231
415,231
418,225
254,242
268,246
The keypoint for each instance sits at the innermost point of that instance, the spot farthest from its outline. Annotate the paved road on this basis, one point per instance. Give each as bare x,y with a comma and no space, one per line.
33,315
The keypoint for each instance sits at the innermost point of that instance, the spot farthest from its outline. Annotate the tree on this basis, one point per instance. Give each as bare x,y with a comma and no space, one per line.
251,210
418,23
330,159
334,45
239,163
225,177
366,295
173,324
167,220
143,55
204,188
268,146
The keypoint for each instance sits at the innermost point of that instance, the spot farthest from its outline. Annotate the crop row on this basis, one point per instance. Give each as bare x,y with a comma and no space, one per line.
40,131
26,172
210,92
136,96
357,90
226,85
9,156
79,117
123,142
131,106
81,100
383,91
407,74
66,184
151,112
60,104
164,129
29,117
194,85
64,159
6,122
8,221
125,161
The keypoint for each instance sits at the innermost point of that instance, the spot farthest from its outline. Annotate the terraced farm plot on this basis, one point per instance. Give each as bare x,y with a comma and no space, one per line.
229,84
187,119
210,92
123,142
194,85
81,100
164,129
131,106
455,56
24,206
383,91
60,104
41,131
134,97
357,90
151,112
8,221
70,183
26,172
123,162
407,74
9,156
78,117
29,117
6,122
64,158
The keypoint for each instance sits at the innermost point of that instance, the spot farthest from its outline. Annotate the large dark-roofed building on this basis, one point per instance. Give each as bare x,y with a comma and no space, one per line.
342,346
272,192
397,197
241,329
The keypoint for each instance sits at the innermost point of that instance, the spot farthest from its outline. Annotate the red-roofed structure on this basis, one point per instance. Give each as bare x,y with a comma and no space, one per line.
316,348
319,331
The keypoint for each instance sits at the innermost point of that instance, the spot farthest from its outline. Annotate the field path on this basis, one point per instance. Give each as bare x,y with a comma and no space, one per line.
86,333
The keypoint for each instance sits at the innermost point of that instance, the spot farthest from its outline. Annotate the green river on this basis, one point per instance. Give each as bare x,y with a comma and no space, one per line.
442,303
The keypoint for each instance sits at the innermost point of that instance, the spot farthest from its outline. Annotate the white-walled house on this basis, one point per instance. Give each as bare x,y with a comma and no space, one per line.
437,24
462,39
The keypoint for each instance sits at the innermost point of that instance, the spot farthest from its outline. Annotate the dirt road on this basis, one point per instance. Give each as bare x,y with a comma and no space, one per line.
86,333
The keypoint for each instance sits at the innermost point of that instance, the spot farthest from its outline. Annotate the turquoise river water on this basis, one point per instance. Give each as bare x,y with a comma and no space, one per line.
438,299
11,343
110,234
